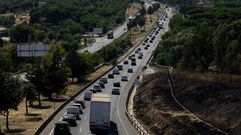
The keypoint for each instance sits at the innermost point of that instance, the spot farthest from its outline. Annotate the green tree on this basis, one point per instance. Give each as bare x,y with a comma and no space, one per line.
36,76
55,71
76,63
130,26
150,11
30,95
20,33
142,23
11,94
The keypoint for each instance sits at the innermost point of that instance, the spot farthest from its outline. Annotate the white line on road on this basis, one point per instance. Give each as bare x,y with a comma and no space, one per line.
119,116
80,130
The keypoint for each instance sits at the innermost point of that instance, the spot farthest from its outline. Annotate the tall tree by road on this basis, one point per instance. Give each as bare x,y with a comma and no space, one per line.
150,11
142,23
130,26
10,94
56,71
36,77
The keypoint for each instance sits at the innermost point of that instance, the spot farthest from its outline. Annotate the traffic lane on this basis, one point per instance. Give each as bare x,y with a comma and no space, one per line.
83,126
86,113
127,127
119,31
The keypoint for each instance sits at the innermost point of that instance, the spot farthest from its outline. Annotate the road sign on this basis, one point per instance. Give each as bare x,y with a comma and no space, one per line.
136,98
54,95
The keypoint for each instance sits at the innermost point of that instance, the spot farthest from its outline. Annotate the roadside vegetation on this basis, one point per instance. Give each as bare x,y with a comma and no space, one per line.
203,39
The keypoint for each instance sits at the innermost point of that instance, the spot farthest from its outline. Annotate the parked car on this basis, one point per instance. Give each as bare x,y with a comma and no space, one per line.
115,91
73,110
139,57
71,119
87,95
148,45
79,106
126,62
133,59
124,78
97,88
104,80
62,128
116,84
146,48
110,76
81,102
116,71
130,70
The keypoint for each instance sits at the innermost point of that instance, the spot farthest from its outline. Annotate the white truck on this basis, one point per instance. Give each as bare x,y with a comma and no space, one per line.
100,112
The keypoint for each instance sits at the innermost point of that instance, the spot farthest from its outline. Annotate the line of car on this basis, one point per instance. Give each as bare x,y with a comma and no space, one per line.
76,109
70,118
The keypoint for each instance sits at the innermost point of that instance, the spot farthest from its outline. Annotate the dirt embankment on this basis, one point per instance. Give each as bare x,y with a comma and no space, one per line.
217,103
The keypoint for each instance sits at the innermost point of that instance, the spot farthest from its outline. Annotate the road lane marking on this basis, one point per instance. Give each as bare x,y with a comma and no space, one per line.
51,131
85,117
119,115
80,129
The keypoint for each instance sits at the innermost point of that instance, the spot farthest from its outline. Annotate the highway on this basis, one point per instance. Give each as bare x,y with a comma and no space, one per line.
100,43
118,102
119,31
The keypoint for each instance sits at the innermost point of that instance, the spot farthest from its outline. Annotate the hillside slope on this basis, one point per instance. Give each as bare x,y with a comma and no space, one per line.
160,114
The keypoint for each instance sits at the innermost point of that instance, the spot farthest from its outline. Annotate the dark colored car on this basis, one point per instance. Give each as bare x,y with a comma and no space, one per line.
71,119
148,45
120,67
133,63
151,41
110,76
115,91
104,80
79,106
130,57
93,90
130,70
102,85
81,102
139,57
62,128
133,59
116,71
124,78
146,48
116,84
126,62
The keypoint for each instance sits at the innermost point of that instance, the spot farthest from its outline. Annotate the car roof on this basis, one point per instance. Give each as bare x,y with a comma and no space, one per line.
69,115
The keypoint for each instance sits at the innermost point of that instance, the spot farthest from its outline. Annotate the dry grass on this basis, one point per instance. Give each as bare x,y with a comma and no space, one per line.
133,8
212,77
21,124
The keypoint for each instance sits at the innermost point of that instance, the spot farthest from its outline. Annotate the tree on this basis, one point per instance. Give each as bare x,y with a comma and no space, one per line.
36,78
55,71
20,33
150,11
143,11
11,94
142,22
30,95
76,63
130,26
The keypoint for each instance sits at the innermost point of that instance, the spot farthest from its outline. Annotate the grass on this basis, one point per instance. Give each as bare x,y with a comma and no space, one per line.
19,123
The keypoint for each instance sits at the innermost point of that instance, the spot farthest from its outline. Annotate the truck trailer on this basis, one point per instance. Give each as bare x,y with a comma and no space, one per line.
100,112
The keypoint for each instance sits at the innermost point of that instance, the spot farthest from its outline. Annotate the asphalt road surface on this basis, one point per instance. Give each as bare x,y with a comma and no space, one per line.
119,31
118,102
